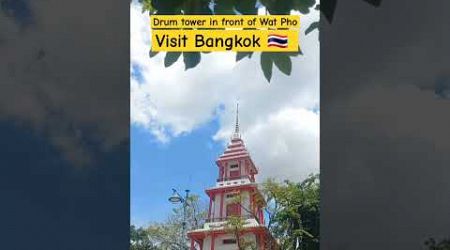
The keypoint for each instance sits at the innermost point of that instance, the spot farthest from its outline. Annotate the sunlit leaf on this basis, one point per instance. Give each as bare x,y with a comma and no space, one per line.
147,6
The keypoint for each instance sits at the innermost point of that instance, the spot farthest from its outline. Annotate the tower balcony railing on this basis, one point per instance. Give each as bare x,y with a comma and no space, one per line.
236,178
223,219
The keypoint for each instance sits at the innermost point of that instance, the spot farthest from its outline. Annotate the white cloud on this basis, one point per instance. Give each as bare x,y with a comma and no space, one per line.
277,123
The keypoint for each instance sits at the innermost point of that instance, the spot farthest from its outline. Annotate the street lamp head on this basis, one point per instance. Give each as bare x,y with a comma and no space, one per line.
175,198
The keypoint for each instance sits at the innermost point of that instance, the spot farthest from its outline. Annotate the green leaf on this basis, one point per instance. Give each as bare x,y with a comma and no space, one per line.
224,7
153,53
147,6
246,7
327,8
241,55
266,65
294,53
283,63
312,26
196,7
278,7
191,59
304,6
167,7
171,58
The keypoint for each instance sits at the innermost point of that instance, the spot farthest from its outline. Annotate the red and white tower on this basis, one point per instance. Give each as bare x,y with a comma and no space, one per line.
235,194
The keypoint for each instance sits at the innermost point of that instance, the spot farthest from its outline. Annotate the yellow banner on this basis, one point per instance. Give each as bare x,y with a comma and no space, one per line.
225,21
225,40
274,33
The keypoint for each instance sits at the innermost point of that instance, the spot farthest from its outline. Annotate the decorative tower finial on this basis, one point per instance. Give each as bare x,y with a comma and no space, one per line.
236,128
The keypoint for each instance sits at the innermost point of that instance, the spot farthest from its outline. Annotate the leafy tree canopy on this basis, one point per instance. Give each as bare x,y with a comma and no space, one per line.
140,240
438,245
241,7
168,235
232,7
293,210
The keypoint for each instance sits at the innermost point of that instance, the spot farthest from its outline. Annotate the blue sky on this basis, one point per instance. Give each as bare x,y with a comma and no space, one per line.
187,162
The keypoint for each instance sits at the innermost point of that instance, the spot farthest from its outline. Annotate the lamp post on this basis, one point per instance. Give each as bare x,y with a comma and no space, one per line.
176,198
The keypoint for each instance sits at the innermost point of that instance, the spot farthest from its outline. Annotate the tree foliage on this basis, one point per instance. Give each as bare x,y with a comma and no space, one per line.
293,212
282,61
235,226
140,240
169,235
432,244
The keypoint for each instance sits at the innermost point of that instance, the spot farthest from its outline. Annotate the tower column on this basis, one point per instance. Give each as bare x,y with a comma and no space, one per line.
221,173
239,167
261,241
210,207
213,239
221,206
250,204
261,216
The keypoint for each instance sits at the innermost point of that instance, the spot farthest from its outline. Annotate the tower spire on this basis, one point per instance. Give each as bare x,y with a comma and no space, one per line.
236,128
